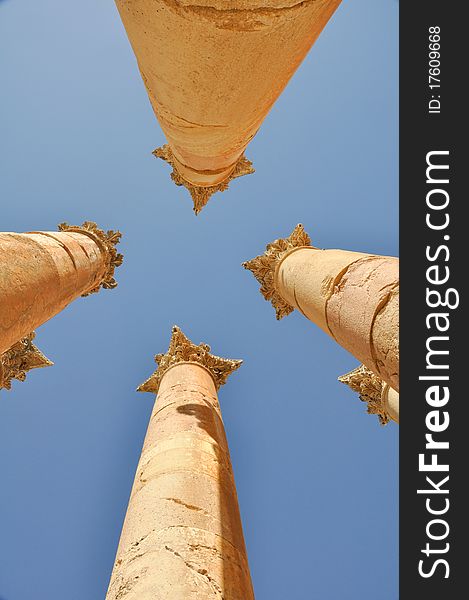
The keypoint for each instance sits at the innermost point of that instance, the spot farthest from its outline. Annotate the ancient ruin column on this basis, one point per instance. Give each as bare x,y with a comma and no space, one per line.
212,70
353,297
182,537
40,274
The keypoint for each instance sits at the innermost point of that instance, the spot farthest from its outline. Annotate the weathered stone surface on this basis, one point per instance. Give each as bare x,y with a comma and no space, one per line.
182,536
213,69
42,272
354,297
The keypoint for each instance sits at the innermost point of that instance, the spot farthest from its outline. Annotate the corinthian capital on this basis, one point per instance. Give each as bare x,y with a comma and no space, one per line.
264,267
107,241
201,194
182,350
370,389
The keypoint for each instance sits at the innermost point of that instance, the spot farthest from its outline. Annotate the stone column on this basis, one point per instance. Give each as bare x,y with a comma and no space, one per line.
353,297
212,70
40,274
382,400
182,536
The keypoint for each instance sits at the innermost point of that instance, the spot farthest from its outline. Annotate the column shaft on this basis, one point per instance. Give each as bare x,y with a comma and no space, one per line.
381,398
214,69
354,297
182,537
40,274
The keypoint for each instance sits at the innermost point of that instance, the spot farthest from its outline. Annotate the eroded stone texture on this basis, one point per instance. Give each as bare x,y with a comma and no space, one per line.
213,70
182,536
354,297
42,272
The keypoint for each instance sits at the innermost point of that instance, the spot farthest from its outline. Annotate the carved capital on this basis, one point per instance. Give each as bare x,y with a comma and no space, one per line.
263,267
19,359
181,349
370,388
201,195
107,241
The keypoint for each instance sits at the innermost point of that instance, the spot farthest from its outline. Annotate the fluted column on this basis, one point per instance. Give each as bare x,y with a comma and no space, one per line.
182,536
213,70
40,274
352,296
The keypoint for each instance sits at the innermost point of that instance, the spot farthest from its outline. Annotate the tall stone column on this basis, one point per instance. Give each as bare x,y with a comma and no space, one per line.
213,70
40,274
352,296
182,536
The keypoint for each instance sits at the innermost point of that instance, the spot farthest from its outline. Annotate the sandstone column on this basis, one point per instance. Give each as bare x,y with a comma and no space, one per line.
182,537
353,297
212,70
40,274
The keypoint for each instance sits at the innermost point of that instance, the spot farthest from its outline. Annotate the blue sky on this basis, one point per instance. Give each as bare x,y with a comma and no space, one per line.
316,476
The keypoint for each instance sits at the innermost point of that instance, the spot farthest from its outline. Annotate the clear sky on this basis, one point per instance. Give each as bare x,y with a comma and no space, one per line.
316,476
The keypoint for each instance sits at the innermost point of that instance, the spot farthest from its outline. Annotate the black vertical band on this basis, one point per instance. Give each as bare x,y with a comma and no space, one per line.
434,441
